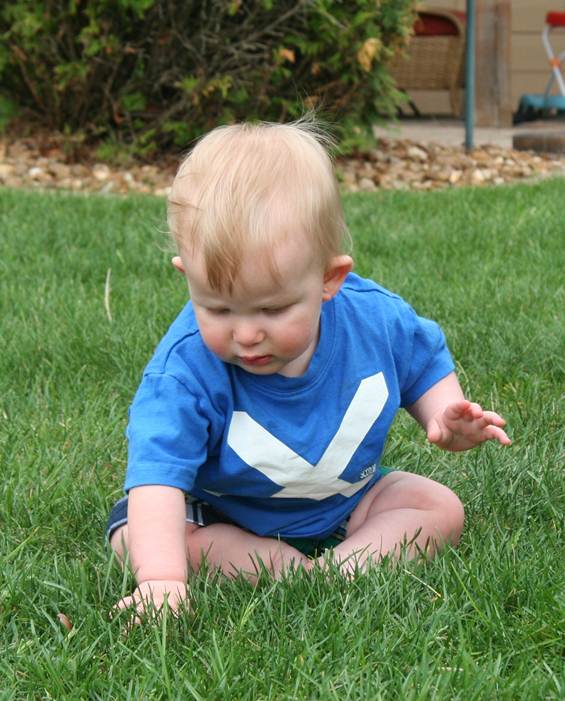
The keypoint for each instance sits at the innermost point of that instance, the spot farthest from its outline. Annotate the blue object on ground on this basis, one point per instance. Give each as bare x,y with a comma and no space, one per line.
543,102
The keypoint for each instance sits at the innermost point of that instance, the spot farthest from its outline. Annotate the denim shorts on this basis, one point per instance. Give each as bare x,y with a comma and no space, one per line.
203,514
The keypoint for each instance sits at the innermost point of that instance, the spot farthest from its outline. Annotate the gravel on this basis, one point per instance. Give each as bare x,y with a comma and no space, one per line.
41,163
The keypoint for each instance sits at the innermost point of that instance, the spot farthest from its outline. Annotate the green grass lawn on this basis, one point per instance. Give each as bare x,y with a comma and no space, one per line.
484,622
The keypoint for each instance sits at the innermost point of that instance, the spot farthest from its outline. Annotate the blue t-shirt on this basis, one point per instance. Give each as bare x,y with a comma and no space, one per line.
288,456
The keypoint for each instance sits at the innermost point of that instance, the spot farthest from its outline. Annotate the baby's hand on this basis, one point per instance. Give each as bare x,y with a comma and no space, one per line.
150,597
463,425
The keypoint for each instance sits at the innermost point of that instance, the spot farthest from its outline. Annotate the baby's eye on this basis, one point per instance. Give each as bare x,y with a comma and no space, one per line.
272,311
218,311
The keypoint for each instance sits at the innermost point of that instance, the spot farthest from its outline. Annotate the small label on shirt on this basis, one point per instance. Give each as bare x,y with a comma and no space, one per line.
370,470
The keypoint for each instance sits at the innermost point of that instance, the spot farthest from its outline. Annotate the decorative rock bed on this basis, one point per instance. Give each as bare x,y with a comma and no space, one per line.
392,165
407,165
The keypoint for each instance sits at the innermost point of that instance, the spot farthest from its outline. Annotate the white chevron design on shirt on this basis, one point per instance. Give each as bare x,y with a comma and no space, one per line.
298,478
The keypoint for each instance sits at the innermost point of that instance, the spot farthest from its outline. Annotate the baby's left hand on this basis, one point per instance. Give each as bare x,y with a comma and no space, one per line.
463,425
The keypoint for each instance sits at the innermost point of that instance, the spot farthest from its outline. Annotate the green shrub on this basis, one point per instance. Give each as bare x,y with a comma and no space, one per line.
152,73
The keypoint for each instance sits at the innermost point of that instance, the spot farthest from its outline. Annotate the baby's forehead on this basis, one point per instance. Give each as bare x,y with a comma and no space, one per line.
262,269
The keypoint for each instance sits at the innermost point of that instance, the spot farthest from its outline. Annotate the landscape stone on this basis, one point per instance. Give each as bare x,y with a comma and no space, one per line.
402,164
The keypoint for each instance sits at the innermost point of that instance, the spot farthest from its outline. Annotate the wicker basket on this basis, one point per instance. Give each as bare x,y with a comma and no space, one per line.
433,62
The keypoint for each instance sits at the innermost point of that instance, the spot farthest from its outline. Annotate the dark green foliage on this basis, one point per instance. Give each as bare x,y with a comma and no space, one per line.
155,72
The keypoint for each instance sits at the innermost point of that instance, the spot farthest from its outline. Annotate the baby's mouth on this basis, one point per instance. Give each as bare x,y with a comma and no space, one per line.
256,360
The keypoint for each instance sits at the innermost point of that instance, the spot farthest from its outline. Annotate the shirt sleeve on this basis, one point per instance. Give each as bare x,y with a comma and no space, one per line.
167,434
427,360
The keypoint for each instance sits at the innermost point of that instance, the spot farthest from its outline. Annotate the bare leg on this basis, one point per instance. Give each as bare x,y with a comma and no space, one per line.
230,549
236,551
401,509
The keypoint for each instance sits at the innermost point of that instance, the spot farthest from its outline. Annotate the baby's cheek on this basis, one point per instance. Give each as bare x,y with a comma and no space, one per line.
214,339
296,337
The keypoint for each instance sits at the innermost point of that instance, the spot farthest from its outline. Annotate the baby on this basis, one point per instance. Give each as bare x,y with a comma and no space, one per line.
256,433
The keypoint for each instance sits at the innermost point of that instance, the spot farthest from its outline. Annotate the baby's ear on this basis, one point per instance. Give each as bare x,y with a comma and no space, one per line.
179,265
337,270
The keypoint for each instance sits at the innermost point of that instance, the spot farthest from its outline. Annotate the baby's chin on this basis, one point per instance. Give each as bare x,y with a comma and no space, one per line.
264,366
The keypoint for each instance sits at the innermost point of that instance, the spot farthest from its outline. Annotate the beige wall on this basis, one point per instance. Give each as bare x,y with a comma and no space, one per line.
529,70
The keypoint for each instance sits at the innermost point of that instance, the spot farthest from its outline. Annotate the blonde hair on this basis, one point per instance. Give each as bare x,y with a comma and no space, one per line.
243,188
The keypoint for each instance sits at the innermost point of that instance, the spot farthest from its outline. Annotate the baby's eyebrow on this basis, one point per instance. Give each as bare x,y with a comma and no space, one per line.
275,302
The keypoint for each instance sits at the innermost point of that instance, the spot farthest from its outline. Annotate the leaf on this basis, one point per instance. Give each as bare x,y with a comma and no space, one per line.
287,55
368,52
134,102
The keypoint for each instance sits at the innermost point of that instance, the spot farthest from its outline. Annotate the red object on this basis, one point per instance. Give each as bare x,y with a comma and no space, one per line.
430,24
555,19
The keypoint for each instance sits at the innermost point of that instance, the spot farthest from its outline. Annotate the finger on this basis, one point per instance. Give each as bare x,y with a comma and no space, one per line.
125,607
129,602
475,410
138,614
440,435
122,605
494,418
434,432
457,410
125,603
495,433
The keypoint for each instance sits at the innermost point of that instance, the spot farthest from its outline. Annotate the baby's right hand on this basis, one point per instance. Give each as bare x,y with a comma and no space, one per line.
149,597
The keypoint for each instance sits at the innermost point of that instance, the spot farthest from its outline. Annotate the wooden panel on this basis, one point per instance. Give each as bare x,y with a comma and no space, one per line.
529,15
493,106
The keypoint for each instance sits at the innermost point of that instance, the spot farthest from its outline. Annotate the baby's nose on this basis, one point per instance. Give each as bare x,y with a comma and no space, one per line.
247,333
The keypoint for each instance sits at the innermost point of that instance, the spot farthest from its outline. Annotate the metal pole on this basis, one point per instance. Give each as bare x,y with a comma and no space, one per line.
470,75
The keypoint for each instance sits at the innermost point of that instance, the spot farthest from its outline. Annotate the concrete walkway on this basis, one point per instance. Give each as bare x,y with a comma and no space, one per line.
451,132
